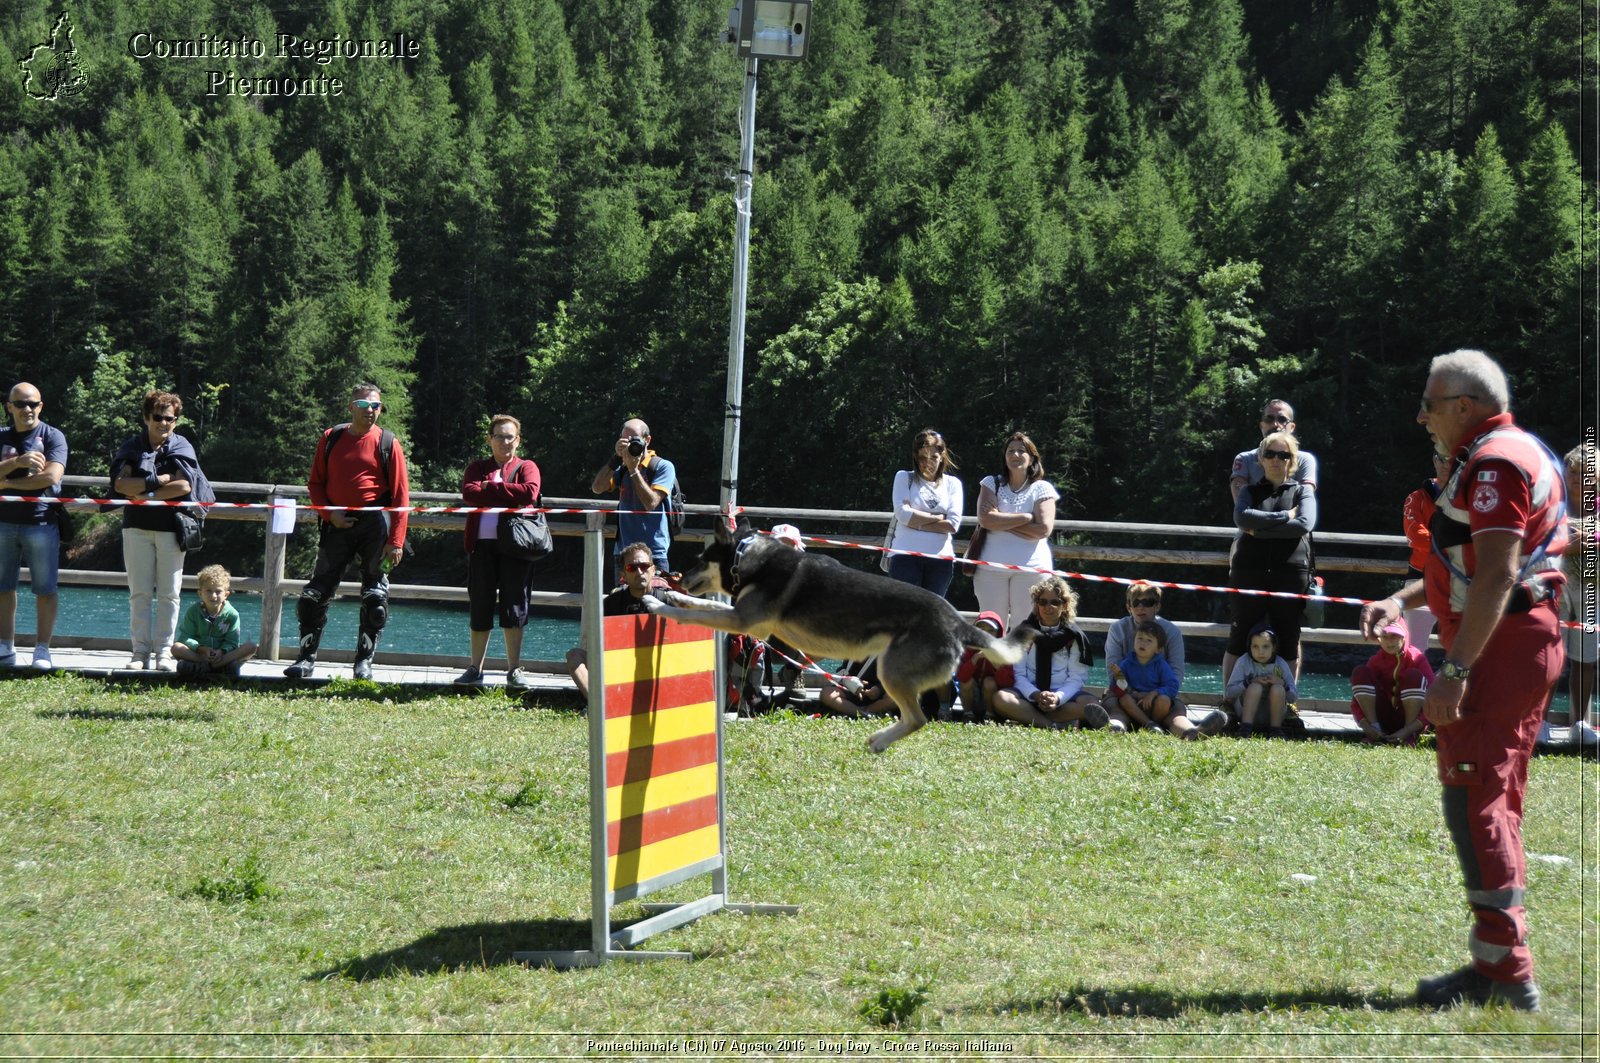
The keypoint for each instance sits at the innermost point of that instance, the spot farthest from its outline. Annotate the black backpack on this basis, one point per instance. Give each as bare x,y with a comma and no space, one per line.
675,510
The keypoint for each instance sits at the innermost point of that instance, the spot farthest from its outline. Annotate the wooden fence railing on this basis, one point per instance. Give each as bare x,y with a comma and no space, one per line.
273,585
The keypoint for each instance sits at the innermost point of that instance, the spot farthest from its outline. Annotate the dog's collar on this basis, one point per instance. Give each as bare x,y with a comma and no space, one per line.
738,555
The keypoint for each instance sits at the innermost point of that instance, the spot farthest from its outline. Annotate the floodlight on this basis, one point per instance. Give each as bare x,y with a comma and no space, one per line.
771,29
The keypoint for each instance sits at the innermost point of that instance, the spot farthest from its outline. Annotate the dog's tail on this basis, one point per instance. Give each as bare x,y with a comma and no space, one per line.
1008,650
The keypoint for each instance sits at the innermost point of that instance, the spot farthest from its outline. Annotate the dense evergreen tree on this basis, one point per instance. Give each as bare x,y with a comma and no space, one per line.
1120,227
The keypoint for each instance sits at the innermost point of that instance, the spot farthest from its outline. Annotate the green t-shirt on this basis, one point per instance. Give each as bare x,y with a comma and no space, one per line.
199,629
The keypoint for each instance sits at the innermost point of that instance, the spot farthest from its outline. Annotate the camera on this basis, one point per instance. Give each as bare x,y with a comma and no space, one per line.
636,447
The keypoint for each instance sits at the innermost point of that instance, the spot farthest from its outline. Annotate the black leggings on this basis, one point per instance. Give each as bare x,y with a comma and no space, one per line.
1283,615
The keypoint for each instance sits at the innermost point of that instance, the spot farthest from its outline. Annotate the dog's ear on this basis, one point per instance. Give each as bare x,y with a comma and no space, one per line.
742,529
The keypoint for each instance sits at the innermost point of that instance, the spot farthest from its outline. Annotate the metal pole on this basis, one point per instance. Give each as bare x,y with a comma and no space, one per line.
741,269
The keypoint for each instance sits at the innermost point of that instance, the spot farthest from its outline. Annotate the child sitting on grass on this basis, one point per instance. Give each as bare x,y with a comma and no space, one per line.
1262,677
859,693
1387,692
1146,686
208,635
977,678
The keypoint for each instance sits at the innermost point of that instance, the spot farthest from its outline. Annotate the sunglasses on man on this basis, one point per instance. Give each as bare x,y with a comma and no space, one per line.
23,404
639,566
367,404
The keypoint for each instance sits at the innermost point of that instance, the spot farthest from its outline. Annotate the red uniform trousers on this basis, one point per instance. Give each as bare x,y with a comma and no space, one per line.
1483,764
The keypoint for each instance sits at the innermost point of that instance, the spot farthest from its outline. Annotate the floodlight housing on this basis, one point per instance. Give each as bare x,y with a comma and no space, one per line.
771,29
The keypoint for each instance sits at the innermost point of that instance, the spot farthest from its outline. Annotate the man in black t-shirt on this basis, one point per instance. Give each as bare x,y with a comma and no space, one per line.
639,577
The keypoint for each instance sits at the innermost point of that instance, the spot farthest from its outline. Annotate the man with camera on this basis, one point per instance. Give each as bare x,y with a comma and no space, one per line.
643,481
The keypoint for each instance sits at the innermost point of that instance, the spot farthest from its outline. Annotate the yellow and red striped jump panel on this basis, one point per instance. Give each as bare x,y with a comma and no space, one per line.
660,748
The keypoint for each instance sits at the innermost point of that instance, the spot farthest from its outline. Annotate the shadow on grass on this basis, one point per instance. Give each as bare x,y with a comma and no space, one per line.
129,715
1152,1002
470,946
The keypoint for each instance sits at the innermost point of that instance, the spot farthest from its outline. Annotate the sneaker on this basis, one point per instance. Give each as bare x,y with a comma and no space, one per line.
137,663
362,669
41,659
1246,730
1276,732
517,679
8,655
1095,717
1583,734
1117,727
1544,734
1213,722
164,663
301,669
473,677
1155,728
1468,986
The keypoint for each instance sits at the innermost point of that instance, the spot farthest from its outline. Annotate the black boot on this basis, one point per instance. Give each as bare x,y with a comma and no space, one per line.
366,646
306,663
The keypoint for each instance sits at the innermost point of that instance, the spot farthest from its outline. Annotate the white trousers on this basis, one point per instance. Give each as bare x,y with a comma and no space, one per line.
1005,592
155,571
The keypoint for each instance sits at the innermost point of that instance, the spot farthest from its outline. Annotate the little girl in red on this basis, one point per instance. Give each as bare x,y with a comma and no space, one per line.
1388,691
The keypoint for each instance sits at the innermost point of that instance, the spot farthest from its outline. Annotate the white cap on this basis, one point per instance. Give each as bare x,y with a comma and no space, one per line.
788,533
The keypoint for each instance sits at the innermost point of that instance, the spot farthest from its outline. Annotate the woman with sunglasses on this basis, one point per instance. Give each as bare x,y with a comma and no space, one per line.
927,504
1048,681
155,465
495,578
1272,552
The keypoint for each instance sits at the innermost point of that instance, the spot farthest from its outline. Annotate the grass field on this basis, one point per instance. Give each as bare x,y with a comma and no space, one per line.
233,873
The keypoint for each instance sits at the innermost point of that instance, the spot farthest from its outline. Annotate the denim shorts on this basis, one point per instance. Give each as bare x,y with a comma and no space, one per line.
37,544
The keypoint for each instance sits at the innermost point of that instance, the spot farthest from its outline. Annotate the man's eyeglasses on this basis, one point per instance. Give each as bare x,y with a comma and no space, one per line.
1145,603
1056,602
163,418
1274,418
1427,403
639,566
1275,455
25,405
504,439
367,404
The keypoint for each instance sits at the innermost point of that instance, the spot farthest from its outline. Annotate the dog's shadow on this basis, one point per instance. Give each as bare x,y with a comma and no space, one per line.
469,946
1147,1001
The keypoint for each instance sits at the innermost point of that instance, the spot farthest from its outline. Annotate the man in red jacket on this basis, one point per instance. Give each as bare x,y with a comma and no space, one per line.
1492,579
357,465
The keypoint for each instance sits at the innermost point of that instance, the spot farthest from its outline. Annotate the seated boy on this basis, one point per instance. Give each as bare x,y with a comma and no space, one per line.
1146,687
978,678
1144,604
207,641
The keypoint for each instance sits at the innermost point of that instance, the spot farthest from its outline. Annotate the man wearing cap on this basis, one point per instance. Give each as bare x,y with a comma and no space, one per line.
360,466
1492,581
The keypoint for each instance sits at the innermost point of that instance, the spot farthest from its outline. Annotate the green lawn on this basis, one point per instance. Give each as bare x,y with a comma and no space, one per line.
235,873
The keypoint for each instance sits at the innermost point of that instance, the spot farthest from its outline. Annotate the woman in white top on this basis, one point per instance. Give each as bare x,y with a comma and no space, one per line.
927,502
1018,513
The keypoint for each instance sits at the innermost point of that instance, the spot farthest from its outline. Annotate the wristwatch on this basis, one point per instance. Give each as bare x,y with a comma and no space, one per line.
1452,670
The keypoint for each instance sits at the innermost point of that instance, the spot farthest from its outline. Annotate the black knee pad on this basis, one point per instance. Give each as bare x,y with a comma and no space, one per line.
374,611
311,609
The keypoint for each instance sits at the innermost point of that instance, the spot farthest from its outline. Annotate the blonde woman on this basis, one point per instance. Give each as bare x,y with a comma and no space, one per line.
1048,689
1272,552
1017,511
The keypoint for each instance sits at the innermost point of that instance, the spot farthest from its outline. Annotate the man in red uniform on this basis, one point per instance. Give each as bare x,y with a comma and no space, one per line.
356,465
1491,579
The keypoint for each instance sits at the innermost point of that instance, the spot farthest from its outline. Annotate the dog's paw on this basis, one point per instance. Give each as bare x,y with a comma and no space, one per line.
882,740
652,604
